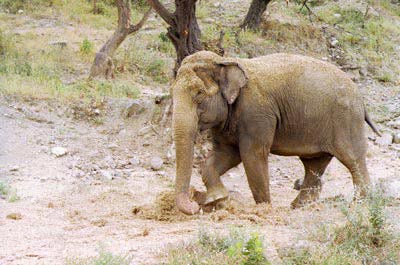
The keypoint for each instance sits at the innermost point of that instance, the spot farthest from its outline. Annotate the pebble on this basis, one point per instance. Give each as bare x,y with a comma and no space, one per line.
156,163
59,151
14,216
396,138
385,140
134,161
395,124
107,174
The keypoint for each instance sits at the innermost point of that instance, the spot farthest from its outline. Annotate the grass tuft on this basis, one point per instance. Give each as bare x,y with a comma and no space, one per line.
211,248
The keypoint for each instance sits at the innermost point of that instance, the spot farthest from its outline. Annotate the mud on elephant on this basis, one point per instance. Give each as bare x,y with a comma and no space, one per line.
282,104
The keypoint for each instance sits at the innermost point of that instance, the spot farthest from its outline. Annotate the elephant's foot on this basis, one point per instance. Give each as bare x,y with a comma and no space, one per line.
216,193
305,197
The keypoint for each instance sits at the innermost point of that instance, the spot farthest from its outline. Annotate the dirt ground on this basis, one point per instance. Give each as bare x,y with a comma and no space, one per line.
103,192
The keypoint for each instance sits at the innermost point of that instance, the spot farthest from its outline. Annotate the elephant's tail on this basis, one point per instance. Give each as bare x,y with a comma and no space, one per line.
371,124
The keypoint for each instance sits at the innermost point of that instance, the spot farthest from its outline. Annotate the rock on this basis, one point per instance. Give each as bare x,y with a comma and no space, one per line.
134,161
337,15
394,124
107,174
20,11
156,163
59,151
135,108
113,146
363,71
385,140
14,216
334,42
396,138
61,44
14,168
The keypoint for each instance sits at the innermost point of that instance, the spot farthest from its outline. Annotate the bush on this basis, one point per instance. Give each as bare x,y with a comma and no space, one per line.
103,258
86,46
364,238
13,6
210,248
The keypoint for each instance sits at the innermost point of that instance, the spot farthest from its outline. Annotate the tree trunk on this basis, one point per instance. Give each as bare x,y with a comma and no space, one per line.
253,17
183,29
103,65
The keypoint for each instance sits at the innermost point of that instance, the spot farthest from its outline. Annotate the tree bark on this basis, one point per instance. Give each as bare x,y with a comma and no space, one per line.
183,29
102,64
253,18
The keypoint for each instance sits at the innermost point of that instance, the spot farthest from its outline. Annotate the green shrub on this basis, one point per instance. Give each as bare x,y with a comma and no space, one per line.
7,192
13,6
103,258
210,248
86,46
365,238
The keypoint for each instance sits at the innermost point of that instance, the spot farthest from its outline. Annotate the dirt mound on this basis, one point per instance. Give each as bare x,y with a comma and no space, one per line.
164,209
233,209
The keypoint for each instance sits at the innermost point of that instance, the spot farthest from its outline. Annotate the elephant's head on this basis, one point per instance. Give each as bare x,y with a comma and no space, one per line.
205,86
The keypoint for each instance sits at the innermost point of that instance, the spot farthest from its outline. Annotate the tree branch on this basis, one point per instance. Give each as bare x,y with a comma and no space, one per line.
162,11
139,25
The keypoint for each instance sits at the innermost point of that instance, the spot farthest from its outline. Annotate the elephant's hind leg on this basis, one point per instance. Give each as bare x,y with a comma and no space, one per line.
220,160
311,187
359,172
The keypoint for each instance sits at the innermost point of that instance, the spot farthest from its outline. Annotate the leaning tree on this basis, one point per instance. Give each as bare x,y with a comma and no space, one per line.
183,29
103,64
253,18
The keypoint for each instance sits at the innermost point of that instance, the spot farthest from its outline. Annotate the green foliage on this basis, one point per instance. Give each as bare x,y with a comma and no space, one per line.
211,248
103,258
364,238
13,6
7,192
86,46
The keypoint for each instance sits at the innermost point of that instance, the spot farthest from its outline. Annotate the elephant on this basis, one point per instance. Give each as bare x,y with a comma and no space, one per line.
283,104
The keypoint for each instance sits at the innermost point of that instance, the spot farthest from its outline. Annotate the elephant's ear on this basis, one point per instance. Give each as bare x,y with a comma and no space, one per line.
209,85
232,79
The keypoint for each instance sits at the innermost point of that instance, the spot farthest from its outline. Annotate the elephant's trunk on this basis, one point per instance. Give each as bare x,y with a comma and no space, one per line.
185,127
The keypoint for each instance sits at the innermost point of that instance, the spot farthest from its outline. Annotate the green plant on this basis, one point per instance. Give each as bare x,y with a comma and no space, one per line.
86,46
7,192
103,258
211,248
365,238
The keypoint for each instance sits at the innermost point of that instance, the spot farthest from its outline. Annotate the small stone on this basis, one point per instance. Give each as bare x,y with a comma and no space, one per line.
135,108
134,161
59,151
96,111
20,11
396,138
385,140
61,44
394,124
113,146
14,168
107,174
14,216
156,163
334,42
363,71
337,15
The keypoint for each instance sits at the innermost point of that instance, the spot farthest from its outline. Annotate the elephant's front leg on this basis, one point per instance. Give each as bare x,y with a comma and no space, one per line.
220,160
255,161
